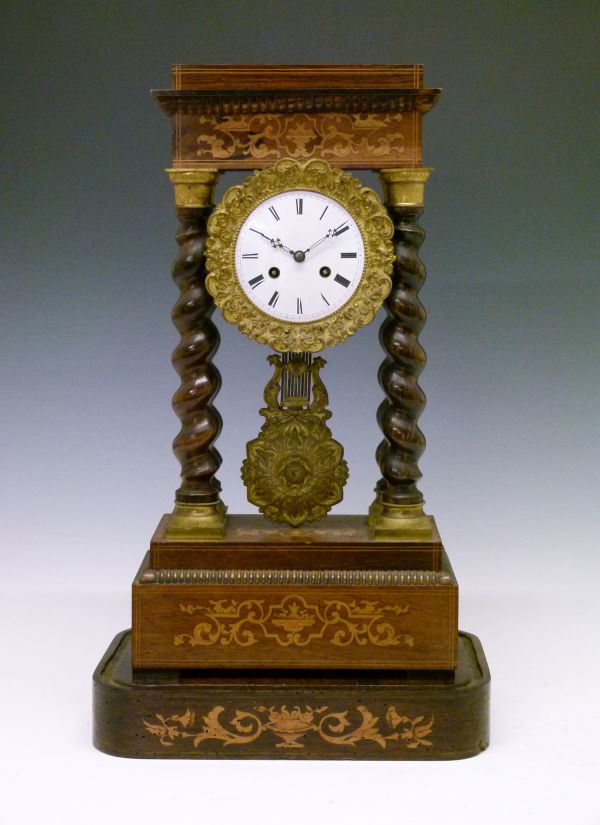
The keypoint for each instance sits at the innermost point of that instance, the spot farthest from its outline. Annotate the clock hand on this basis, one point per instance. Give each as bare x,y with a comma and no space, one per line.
341,228
324,238
330,234
275,242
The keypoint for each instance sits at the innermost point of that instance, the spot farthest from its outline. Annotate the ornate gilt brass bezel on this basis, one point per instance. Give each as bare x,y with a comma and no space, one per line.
375,227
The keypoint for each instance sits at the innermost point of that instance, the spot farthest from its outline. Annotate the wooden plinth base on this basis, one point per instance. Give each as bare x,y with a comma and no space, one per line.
335,543
297,715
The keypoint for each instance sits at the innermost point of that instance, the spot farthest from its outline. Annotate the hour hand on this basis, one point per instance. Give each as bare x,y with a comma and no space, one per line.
339,229
275,242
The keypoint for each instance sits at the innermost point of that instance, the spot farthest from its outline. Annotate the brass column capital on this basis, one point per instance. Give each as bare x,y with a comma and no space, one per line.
194,188
404,187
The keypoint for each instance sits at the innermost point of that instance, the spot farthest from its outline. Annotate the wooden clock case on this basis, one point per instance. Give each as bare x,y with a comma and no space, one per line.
334,640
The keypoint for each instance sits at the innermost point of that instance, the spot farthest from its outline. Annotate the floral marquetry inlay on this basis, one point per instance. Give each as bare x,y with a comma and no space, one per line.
294,622
336,137
292,726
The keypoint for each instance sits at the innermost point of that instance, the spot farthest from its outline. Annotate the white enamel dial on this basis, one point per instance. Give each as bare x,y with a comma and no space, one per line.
299,256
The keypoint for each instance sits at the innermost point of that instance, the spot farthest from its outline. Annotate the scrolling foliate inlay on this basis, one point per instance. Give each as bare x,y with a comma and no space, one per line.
291,726
337,137
293,622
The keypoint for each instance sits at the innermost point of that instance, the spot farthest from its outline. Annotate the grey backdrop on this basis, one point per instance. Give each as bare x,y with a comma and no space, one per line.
510,470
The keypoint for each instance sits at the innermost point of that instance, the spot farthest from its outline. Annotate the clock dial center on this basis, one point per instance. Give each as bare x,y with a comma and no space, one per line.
299,226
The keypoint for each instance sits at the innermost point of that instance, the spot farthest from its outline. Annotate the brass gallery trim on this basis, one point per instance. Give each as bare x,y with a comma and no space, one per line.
411,578
346,728
294,622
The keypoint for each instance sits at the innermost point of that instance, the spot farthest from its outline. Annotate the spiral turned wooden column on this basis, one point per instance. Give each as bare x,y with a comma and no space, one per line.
199,512
397,511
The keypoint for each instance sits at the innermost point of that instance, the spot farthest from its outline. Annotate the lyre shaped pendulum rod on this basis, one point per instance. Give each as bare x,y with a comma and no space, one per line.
295,471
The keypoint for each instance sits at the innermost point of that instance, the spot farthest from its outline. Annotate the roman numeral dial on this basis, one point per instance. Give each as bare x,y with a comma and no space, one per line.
299,256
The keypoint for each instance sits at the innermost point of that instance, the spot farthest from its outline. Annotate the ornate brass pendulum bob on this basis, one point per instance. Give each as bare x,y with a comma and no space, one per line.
295,471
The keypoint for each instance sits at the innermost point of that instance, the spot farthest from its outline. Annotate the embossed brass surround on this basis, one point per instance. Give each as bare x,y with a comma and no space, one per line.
375,227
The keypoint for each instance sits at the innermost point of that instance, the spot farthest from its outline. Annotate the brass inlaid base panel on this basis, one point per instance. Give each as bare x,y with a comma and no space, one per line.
336,543
273,715
237,620
292,726
292,621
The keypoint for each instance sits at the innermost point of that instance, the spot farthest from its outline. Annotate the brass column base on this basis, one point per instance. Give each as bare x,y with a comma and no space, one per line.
190,522
401,522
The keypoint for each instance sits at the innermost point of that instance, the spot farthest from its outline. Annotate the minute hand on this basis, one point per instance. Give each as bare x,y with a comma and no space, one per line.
330,234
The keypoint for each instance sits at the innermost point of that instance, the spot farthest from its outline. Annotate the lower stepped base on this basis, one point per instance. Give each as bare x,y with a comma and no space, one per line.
404,715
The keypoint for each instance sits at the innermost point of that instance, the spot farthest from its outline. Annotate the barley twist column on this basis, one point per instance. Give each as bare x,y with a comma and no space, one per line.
397,511
199,512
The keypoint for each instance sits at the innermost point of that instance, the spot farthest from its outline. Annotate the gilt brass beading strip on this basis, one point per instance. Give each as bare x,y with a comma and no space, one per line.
417,578
404,187
194,188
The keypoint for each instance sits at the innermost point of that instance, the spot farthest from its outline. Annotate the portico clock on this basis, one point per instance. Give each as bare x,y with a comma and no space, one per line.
286,630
